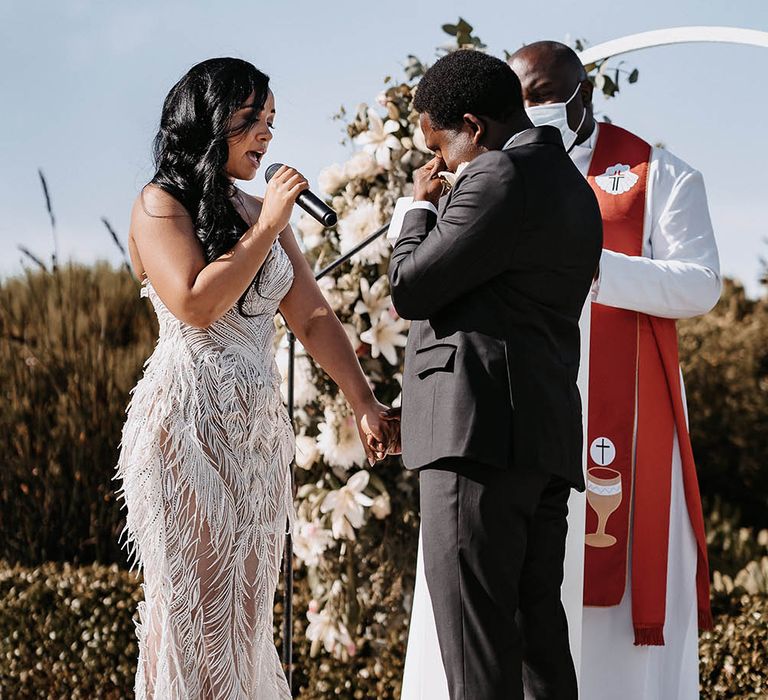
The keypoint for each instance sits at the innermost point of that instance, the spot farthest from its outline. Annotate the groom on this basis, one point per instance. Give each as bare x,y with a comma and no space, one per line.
491,417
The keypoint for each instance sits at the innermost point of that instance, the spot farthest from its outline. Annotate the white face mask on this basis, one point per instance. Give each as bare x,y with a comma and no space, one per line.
555,114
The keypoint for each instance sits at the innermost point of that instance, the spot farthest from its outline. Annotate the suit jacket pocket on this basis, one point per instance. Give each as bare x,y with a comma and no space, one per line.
434,358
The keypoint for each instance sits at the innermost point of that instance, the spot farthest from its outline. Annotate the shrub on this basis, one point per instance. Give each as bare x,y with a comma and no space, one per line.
72,342
724,356
67,631
734,656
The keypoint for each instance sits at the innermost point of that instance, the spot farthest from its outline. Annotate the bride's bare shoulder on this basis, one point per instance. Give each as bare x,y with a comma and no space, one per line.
153,201
248,204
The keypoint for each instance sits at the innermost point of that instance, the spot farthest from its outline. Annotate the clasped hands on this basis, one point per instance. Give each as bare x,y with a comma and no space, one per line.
379,430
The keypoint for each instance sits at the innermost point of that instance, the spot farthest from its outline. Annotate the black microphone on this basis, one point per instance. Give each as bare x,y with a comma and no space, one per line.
310,203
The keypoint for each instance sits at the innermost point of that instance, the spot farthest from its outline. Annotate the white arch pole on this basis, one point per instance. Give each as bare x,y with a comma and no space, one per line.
674,35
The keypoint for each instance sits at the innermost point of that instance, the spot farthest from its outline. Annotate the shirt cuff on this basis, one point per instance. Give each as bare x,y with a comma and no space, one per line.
421,204
595,290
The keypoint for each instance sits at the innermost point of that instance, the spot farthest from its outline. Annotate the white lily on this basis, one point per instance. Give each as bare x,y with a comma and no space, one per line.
385,336
338,439
321,630
375,300
345,639
379,139
310,540
346,506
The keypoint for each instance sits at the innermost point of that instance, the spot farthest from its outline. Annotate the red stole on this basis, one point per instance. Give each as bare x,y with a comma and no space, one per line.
634,380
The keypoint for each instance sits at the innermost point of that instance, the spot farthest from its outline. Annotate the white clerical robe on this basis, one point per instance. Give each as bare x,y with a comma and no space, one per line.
678,276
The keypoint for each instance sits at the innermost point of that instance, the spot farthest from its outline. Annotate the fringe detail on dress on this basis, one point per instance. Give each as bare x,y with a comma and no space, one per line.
205,469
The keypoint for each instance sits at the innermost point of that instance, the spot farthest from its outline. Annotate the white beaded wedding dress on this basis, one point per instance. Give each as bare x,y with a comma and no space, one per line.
205,459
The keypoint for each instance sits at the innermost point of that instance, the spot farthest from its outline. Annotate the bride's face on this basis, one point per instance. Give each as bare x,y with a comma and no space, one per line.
253,132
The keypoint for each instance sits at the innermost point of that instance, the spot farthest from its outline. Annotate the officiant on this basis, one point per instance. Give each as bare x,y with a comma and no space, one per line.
646,578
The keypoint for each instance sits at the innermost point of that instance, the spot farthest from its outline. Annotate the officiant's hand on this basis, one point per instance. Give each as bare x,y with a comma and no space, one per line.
427,185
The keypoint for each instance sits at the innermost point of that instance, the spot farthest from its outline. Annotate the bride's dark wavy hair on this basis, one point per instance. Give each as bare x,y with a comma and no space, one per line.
190,148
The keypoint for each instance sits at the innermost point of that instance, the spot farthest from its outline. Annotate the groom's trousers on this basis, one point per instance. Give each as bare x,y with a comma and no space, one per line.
494,544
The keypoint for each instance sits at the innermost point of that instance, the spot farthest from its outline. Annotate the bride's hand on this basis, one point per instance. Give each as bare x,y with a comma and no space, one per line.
374,428
282,190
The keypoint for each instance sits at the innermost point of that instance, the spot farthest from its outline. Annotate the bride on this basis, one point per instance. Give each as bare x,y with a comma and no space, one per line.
207,445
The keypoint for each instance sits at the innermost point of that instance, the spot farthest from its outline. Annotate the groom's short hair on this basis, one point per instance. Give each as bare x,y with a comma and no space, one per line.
468,81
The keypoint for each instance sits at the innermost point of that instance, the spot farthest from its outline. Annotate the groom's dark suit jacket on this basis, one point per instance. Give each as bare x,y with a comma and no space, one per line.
495,285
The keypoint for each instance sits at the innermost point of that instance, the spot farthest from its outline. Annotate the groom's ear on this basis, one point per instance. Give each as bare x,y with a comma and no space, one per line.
476,127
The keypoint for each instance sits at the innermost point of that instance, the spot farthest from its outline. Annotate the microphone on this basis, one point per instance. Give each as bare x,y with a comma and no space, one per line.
310,203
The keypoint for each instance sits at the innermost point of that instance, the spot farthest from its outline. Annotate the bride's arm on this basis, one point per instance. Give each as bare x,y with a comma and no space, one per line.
172,257
317,328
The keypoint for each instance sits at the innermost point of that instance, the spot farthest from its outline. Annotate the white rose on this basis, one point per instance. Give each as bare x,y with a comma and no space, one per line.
306,451
332,179
361,165
357,224
311,231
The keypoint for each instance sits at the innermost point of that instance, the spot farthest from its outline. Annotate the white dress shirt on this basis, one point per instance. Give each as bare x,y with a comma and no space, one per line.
678,275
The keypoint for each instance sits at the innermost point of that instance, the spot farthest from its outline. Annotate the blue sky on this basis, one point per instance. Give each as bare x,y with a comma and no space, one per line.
83,83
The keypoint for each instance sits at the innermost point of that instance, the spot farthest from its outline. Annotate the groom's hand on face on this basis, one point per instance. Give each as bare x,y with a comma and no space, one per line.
427,186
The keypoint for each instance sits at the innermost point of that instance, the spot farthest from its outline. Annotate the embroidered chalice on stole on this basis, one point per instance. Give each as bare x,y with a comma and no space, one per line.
604,497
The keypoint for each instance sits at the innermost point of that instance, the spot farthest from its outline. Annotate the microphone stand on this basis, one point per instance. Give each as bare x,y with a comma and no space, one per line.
288,551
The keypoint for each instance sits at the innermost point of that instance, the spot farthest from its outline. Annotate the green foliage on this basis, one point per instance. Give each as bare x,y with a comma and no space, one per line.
72,342
462,31
67,631
724,357
731,546
734,656
605,76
